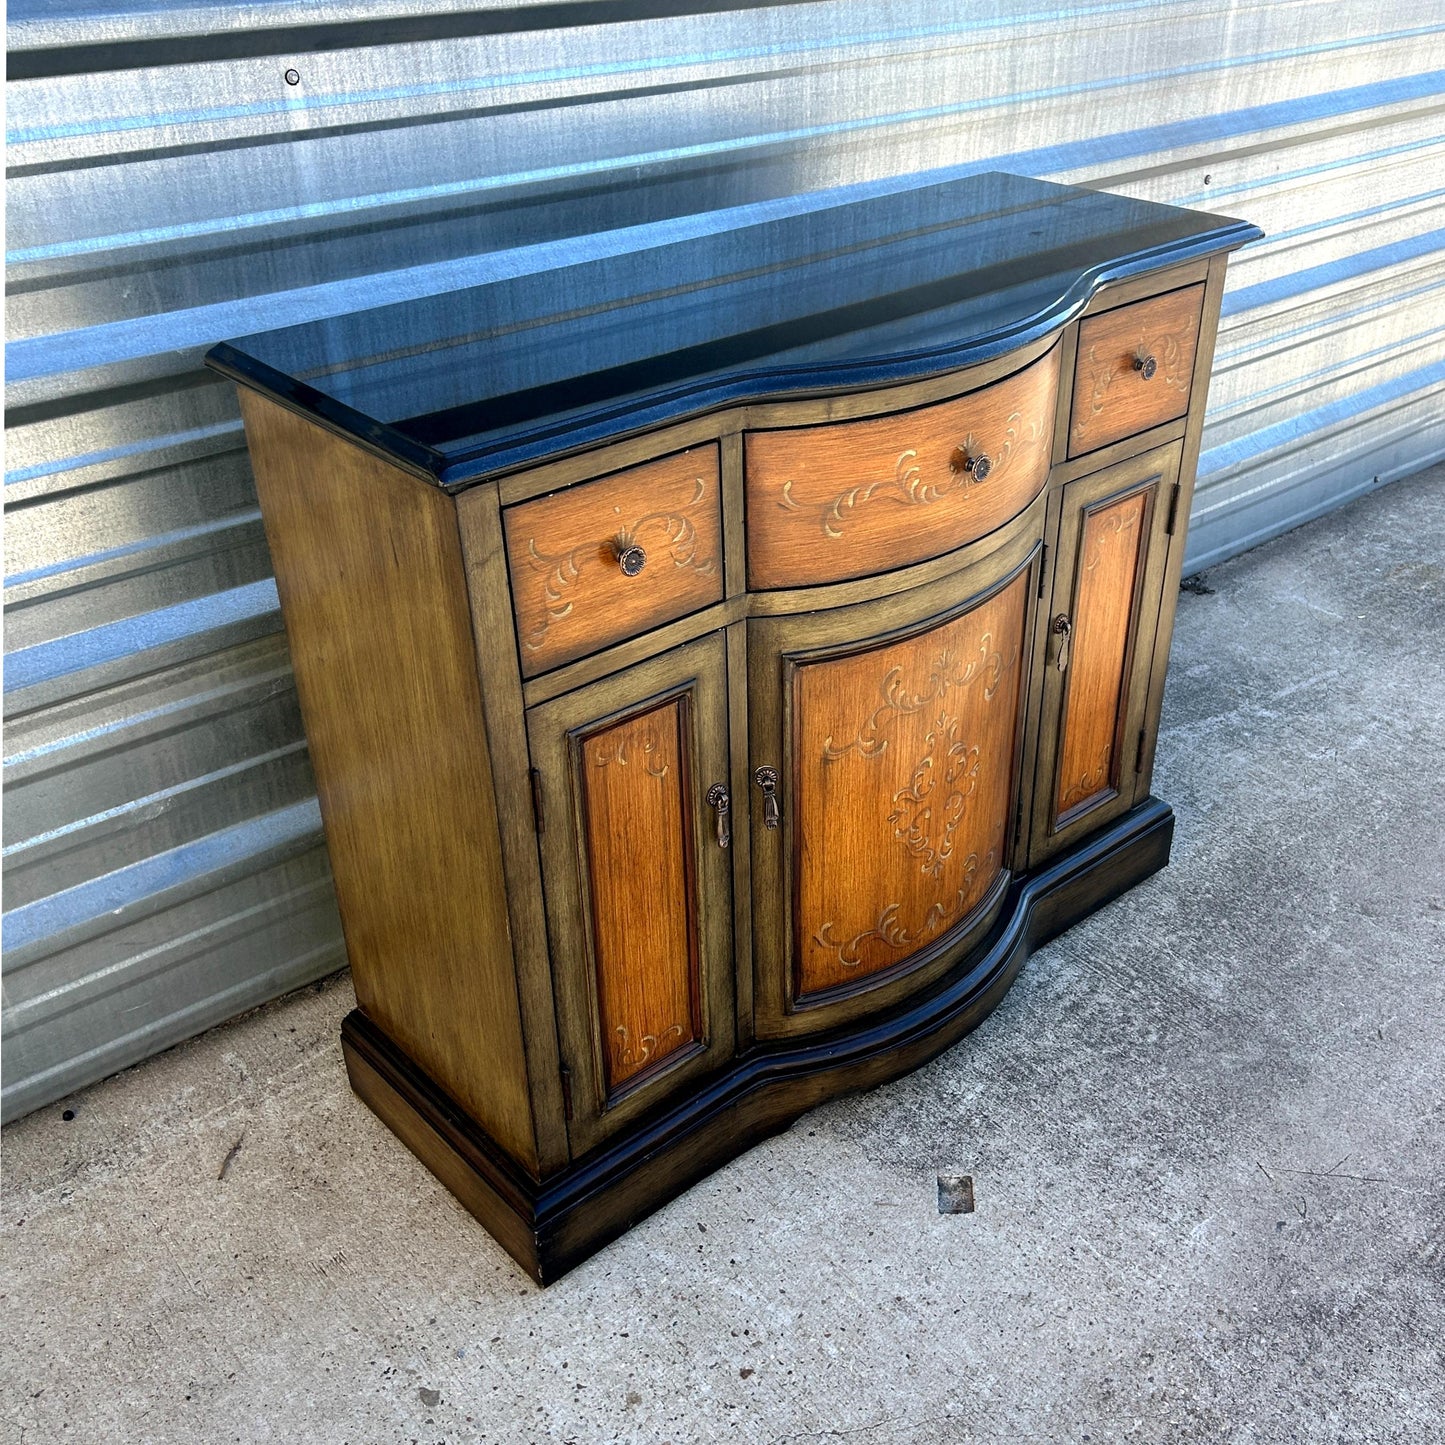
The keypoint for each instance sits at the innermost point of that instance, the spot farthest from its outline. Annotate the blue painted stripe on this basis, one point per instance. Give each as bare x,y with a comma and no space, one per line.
199,327
439,191
117,453
1333,414
115,640
1331,273
213,696
1335,220
774,52
148,804
140,883
1327,318
1338,367
1319,168
212,530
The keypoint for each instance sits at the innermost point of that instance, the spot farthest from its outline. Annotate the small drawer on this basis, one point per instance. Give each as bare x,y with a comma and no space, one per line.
852,498
608,559
1134,368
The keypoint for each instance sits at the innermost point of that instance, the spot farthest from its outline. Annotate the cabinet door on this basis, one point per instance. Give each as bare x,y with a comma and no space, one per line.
893,733
1104,609
638,884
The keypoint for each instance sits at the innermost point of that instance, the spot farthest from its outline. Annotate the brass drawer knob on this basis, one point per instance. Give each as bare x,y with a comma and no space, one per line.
978,467
1145,365
630,557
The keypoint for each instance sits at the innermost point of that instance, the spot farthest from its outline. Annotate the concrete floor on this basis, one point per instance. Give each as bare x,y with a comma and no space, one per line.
1206,1130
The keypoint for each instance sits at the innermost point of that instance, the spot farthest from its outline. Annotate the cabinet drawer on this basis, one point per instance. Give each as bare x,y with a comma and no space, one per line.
852,498
1134,367
608,559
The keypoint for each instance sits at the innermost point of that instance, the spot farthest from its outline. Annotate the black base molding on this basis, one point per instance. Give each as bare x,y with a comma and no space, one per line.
551,1225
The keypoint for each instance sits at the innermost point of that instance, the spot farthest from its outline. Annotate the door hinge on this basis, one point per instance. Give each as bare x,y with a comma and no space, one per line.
537,815
1173,510
1043,568
566,1093
1139,753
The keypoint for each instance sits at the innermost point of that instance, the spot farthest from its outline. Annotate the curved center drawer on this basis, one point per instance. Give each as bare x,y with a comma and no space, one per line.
608,559
850,498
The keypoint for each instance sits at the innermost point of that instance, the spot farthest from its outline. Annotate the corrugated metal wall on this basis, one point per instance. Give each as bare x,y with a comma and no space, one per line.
169,187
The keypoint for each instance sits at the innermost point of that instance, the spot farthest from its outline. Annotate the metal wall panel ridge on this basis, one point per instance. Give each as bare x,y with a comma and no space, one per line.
183,173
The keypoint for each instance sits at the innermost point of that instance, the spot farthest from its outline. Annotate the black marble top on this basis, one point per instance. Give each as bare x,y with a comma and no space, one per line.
841,290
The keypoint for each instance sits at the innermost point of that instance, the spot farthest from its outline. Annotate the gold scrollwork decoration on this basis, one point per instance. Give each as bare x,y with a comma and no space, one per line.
1090,781
1116,524
907,486
626,1055
946,673
620,751
1169,355
892,932
948,771
563,569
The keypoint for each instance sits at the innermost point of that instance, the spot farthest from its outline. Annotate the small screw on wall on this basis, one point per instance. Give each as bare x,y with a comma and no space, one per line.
293,77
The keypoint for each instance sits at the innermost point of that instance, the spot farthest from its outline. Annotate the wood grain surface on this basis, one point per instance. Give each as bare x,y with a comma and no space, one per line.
1112,399
904,781
570,594
853,498
369,569
1104,610
637,827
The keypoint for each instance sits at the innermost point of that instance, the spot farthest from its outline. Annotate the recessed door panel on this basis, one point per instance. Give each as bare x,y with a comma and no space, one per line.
1112,552
890,739
640,866
903,772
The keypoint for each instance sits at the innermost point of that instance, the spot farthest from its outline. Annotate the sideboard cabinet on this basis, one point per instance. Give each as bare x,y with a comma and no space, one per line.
725,658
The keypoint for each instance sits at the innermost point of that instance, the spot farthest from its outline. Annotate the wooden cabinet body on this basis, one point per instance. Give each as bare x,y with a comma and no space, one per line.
679,779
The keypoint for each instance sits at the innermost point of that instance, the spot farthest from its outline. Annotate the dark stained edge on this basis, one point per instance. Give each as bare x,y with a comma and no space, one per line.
659,405
325,411
553,1225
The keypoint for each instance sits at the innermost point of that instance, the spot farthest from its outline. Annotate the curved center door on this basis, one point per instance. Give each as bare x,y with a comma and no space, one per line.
887,745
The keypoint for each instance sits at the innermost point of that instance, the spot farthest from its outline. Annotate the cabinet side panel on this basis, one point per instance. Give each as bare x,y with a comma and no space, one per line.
369,569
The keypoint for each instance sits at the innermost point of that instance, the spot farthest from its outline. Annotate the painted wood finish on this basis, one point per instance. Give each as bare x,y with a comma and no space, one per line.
1113,541
1112,553
871,661
375,601
639,896
636,826
551,1225
566,553
1114,397
580,983
848,499
903,774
